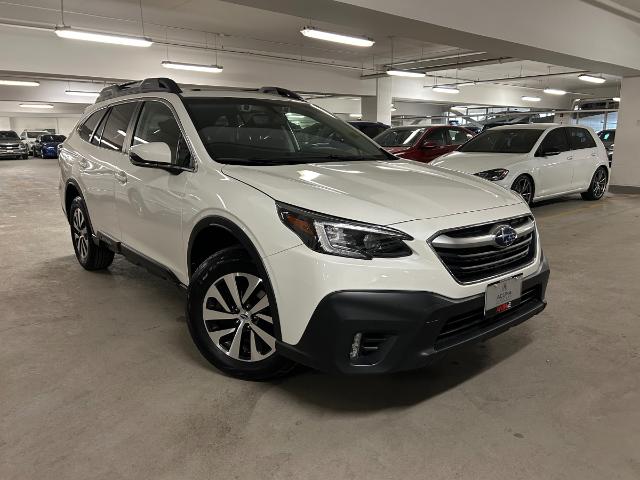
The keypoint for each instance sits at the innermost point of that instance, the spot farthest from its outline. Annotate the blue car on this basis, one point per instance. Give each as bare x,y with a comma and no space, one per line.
46,146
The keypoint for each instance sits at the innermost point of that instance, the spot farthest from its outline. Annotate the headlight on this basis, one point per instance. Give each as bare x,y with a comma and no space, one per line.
345,238
23,145
493,175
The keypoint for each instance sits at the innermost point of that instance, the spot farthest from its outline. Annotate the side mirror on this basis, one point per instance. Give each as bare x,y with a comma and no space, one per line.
429,145
548,153
153,155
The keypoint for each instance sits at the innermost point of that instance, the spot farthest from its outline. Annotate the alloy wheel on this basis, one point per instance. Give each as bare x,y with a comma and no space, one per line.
80,234
237,317
599,183
523,186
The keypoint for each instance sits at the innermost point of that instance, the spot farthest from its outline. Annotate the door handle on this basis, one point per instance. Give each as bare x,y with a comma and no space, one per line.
594,154
570,158
121,176
83,163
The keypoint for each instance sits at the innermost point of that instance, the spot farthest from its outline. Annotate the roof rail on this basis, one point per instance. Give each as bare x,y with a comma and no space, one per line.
283,92
143,86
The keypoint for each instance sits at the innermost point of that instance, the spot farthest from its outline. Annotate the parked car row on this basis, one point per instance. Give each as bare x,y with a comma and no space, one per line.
45,144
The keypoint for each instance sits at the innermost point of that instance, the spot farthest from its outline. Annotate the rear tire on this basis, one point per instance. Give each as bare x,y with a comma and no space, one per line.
523,185
89,255
232,317
598,185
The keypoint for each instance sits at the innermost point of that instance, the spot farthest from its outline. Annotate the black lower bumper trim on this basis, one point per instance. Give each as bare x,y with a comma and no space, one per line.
403,330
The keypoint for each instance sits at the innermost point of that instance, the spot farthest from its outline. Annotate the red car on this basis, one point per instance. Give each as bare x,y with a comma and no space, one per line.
423,142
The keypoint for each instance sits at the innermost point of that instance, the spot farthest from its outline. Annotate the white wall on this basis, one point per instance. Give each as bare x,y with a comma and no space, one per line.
5,123
626,159
62,125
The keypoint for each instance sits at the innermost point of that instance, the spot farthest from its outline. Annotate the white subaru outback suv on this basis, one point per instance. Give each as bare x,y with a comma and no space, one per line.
298,239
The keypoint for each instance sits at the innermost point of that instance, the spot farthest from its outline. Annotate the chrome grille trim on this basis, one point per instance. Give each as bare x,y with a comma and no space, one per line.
471,255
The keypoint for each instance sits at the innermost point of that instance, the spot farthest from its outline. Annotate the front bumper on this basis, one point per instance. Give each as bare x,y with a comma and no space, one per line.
403,330
12,153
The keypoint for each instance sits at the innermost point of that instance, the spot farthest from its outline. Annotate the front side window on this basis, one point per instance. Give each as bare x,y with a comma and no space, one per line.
555,141
115,128
607,135
580,138
400,137
436,136
458,137
157,124
86,129
256,131
516,140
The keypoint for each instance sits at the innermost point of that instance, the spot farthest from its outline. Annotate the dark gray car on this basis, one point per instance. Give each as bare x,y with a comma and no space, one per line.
11,146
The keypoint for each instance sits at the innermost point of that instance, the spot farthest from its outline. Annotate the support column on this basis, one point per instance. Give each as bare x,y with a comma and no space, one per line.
378,108
625,173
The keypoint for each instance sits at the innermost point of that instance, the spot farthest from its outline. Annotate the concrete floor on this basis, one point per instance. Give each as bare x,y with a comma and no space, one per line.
99,378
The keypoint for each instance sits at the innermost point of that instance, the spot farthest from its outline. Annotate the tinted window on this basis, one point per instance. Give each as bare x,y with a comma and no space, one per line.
436,136
157,124
89,125
275,131
555,141
400,137
371,130
520,140
115,129
97,135
458,137
9,135
607,135
580,138
52,138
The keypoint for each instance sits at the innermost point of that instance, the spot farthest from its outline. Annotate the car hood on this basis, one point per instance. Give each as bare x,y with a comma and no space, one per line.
473,162
380,192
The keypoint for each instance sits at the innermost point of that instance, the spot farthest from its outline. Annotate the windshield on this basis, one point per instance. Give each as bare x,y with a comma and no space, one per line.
516,140
399,137
9,135
263,132
52,138
35,134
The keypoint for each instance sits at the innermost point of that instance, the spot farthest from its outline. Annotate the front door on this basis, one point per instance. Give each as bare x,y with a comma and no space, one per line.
554,162
149,200
432,145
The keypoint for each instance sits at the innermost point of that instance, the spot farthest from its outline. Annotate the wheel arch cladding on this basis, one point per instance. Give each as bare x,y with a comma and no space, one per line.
71,191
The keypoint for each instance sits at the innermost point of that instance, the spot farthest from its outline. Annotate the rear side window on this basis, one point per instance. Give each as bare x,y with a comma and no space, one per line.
555,141
89,125
580,138
115,130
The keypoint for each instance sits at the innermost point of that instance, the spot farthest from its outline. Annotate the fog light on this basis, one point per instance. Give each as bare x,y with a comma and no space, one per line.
355,346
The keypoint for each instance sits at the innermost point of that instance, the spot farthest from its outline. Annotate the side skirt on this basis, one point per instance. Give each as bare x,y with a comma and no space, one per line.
137,258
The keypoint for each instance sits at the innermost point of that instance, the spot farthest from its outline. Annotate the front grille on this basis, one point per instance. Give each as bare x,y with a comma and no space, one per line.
471,254
9,145
469,324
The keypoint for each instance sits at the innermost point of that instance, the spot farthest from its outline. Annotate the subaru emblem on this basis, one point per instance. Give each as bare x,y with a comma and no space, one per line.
504,235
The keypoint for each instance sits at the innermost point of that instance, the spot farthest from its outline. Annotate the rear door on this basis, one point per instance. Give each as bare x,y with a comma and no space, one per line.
585,156
554,163
100,164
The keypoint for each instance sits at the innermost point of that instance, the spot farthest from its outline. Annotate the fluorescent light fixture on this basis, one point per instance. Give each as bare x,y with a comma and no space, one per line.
355,115
36,105
554,91
192,66
20,83
465,84
75,34
82,93
443,89
336,37
591,79
616,99
526,98
405,73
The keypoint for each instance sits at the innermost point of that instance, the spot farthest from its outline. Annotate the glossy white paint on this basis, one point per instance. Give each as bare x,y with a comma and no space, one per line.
562,174
156,211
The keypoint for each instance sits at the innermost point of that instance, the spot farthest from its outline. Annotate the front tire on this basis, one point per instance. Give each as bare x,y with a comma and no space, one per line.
523,185
232,317
89,255
598,185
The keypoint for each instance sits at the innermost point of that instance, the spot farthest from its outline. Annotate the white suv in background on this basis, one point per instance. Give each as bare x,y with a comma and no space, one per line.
298,238
539,161
30,136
